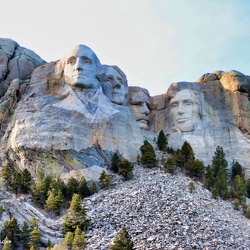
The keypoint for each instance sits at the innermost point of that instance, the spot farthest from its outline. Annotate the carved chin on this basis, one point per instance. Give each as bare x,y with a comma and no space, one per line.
186,127
142,124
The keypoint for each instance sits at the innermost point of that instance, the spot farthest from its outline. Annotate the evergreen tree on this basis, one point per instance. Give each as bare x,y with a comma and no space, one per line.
25,233
115,162
170,164
68,240
179,158
191,186
26,181
49,245
76,216
239,187
35,238
17,181
6,244
236,204
83,188
105,179
93,187
219,160
126,169
33,223
148,156
194,167
237,169
6,174
122,241
187,152
221,182
248,188
72,186
14,231
209,178
162,141
79,241
58,184
55,201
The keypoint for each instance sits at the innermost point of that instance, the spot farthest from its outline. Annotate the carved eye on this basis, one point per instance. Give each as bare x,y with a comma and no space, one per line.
188,103
174,105
87,61
71,61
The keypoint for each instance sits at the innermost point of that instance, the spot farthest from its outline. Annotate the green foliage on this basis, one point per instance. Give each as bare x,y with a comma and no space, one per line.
126,169
93,187
236,204
6,174
215,193
239,187
68,239
35,238
248,188
209,178
26,181
191,186
162,141
237,169
179,158
6,244
84,190
247,214
148,156
115,162
55,201
105,179
187,152
79,241
72,186
170,164
1,209
76,216
25,233
221,182
17,181
218,161
14,231
194,167
122,241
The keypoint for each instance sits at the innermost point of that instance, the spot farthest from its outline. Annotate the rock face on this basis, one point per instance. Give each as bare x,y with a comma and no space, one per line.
15,62
210,113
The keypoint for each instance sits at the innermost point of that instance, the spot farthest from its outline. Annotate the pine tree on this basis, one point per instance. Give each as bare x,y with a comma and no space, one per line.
122,241
187,152
17,182
33,223
221,182
239,187
237,169
14,231
148,156
83,188
6,174
76,217
6,244
115,162
248,188
170,164
68,239
162,141
126,169
25,233
209,178
49,245
93,187
50,203
105,179
35,238
194,167
79,241
26,181
72,186
179,158
219,160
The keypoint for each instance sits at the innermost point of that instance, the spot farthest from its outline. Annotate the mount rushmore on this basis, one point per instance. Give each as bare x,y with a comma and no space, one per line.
74,113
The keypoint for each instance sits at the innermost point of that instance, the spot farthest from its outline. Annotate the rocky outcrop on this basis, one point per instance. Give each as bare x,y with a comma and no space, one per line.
15,62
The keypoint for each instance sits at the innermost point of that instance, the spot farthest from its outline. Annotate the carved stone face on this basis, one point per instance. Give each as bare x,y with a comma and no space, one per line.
81,67
184,110
139,103
114,86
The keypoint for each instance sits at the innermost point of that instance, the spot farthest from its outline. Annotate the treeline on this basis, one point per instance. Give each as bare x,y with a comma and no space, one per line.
216,178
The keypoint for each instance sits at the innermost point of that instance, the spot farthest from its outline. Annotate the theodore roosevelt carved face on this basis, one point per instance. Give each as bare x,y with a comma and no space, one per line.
139,103
184,110
114,85
81,66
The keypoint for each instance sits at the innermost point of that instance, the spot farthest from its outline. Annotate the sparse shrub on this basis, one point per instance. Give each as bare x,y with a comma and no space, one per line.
236,204
191,187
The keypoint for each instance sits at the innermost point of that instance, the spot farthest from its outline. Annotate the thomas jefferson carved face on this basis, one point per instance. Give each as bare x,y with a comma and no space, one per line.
81,67
139,103
184,110
115,86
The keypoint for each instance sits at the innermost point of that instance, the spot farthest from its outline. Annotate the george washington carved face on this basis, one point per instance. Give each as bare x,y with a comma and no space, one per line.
80,67
184,110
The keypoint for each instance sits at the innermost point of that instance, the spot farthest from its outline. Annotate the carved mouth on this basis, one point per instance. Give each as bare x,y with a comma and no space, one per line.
143,121
181,120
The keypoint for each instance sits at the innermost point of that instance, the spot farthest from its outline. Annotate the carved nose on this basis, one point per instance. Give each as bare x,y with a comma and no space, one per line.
145,110
116,84
79,65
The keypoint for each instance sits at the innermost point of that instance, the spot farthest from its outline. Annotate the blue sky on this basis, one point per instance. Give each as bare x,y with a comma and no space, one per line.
155,42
